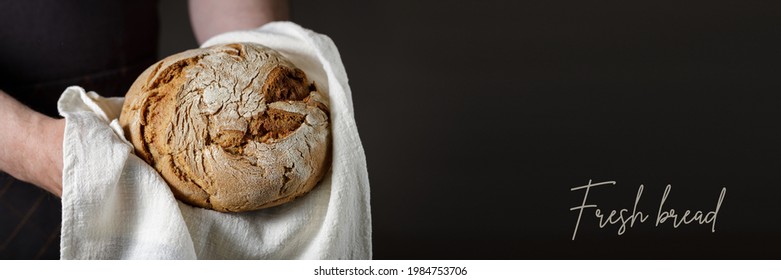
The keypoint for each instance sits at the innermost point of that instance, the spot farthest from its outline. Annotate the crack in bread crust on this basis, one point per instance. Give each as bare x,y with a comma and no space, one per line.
232,128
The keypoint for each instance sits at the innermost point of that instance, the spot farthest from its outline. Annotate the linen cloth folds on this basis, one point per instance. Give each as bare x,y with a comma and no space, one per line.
115,206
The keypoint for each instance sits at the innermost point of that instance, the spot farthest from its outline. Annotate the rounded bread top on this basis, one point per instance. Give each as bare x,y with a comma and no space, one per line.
232,127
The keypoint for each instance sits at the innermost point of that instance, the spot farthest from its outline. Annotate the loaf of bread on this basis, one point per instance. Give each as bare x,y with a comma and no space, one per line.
232,127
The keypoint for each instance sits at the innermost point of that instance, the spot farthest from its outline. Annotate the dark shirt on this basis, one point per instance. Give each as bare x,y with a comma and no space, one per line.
47,45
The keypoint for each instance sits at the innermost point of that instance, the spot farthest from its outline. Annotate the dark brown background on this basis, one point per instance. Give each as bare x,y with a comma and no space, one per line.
477,117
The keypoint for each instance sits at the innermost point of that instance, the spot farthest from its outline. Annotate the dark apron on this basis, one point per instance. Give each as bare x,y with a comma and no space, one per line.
46,46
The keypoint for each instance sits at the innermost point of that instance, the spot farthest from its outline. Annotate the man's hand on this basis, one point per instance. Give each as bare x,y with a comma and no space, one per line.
31,145
210,17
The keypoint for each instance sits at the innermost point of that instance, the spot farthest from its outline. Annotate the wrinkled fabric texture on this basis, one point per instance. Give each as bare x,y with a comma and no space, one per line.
115,206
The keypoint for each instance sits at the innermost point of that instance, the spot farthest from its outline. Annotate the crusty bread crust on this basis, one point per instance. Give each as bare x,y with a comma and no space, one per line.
232,127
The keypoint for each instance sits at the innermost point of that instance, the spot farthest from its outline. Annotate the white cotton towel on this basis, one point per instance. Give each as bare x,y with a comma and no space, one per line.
115,206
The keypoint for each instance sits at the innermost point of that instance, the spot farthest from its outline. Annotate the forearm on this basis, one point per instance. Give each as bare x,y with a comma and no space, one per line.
30,145
210,17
